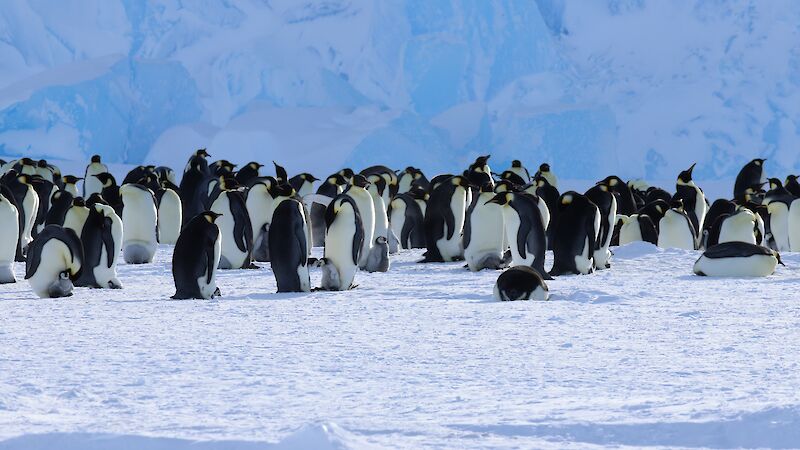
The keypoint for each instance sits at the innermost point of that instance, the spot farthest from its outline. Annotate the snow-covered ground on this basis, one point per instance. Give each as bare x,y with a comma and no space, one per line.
642,354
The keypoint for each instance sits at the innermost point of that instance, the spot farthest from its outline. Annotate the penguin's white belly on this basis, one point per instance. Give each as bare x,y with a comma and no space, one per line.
630,232
674,232
55,258
170,216
779,225
511,220
381,221
602,257
226,223
423,206
140,220
207,289
794,226
749,266
486,236
339,249
30,204
584,262
451,249
9,224
737,231
72,189
367,211
398,220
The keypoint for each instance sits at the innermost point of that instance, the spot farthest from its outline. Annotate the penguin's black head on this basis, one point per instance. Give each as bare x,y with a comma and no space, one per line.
347,173
70,179
686,176
778,257
504,186
774,183
308,177
503,198
380,240
42,164
516,163
254,165
758,161
544,168
202,153
612,181
791,179
567,198
96,198
460,181
487,187
78,201
677,204
602,185
210,216
96,159
106,178
359,180
418,193
481,161
282,190
379,182
24,179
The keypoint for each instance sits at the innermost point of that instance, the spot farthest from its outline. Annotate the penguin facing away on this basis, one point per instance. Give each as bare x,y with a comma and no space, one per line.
444,220
737,259
289,247
407,222
196,258
574,238
140,224
101,241
606,203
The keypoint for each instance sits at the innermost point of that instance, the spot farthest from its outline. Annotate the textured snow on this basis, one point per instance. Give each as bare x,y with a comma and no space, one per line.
643,354
639,88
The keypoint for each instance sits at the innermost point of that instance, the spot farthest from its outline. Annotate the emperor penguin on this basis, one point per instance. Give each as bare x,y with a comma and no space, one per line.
280,174
193,188
303,184
327,191
574,238
27,201
444,220
76,215
101,241
90,183
378,190
483,232
9,224
545,191
520,170
778,201
751,174
260,205
288,247
694,201
792,185
235,229
44,189
357,190
675,229
794,225
525,229
137,173
626,204
166,174
71,184
196,258
421,196
410,177
110,191
170,214
520,283
739,227
606,203
46,171
216,169
637,227
54,262
718,208
140,224
343,243
479,172
248,173
406,221
737,259
390,180
545,172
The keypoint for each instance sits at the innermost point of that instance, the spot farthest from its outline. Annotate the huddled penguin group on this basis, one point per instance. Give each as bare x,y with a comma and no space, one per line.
70,230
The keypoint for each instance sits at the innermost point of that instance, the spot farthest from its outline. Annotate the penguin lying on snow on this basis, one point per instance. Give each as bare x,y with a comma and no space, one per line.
737,259
520,283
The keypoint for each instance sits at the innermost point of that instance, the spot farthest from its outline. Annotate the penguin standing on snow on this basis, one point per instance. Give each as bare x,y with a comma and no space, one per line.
289,248
737,259
520,283
605,201
260,206
752,174
479,172
779,201
638,227
71,184
327,191
170,213
739,227
101,241
140,224
694,201
520,170
248,173
483,232
444,220
54,262
235,229
545,172
406,221
525,229
574,238
27,202
675,229
194,185
9,223
410,177
357,190
343,244
196,257
90,183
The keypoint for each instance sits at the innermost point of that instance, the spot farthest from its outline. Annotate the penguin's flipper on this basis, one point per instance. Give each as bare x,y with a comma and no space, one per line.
450,222
108,241
358,240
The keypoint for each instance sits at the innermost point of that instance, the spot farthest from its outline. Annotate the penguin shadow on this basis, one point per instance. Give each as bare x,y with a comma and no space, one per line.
587,297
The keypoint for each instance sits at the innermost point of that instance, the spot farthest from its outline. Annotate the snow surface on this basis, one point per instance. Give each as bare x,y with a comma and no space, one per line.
642,88
643,354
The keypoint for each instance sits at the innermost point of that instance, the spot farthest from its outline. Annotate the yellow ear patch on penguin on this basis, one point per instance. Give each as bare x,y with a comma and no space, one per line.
613,182
566,200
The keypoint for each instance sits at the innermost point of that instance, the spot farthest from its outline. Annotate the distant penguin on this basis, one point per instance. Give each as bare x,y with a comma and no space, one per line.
719,207
358,191
483,232
407,222
410,177
196,257
288,247
216,169
54,262
140,224
737,259
792,185
194,186
676,230
248,173
513,178
479,172
9,237
101,241
545,172
520,283
739,227
44,189
45,171
376,189
71,184
76,215
170,215
778,201
260,206
525,229
444,220
390,180
605,201
328,190
110,191
574,238
343,244
166,174
626,204
751,174
27,201
520,170
303,183
694,201
638,227
235,229
136,174
90,183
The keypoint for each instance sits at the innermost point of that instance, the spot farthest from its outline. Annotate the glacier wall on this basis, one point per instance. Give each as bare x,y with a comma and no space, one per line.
636,87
